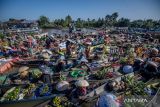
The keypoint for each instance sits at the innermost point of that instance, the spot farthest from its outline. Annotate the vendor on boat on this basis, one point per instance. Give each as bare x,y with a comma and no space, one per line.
68,48
23,74
108,99
107,39
80,90
60,65
151,65
87,52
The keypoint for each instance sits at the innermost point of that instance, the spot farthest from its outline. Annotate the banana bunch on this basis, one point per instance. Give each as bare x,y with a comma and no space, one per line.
138,88
123,60
102,74
128,80
45,89
57,102
29,91
62,77
11,95
36,73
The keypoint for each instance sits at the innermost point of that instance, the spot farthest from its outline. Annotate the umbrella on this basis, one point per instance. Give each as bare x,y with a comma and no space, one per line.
83,59
154,50
127,69
152,63
63,85
24,68
82,83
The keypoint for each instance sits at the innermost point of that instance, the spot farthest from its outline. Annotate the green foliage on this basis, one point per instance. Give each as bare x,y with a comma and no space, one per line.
110,20
107,21
1,36
43,21
123,22
102,74
79,23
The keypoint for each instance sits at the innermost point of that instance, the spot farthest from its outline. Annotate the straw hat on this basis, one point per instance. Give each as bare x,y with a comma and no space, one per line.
139,59
45,56
82,83
152,64
155,51
47,51
88,43
106,35
24,68
7,47
24,74
61,86
157,59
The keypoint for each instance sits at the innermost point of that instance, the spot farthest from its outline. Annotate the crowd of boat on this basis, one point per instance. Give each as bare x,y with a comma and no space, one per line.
79,69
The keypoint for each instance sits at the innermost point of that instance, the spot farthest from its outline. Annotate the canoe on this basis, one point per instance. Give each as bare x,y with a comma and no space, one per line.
5,67
30,62
100,89
155,100
92,97
25,102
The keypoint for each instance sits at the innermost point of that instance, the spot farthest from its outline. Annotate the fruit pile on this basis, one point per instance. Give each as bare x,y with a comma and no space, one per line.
11,95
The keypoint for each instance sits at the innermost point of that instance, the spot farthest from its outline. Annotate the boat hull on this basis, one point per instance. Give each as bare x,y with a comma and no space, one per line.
26,103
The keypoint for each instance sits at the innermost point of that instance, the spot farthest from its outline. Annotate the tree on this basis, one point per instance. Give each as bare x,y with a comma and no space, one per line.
157,24
43,21
79,23
99,22
148,24
114,17
137,23
123,22
93,22
68,20
88,22
1,36
110,20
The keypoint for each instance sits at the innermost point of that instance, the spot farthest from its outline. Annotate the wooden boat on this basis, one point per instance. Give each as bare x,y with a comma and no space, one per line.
35,62
5,67
92,97
25,102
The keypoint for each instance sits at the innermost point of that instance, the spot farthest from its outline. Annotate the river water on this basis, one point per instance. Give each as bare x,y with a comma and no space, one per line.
66,31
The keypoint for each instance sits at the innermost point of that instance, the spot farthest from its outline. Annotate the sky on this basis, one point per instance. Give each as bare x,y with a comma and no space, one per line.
54,9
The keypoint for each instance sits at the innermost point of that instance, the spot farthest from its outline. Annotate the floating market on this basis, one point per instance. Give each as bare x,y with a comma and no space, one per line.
78,69
105,62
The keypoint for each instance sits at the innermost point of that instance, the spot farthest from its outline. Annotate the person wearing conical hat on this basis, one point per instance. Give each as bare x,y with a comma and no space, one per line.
23,73
107,39
80,90
108,99
60,65
46,56
154,51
